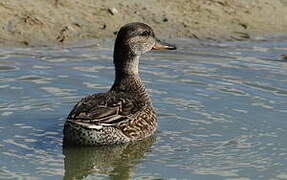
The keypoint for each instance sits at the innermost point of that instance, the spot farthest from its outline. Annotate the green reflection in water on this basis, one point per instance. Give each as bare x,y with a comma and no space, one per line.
117,162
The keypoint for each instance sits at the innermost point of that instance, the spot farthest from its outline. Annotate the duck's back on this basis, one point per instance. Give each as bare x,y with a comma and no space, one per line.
110,118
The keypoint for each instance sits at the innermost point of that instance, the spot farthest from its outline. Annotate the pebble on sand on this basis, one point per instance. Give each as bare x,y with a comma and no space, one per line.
113,11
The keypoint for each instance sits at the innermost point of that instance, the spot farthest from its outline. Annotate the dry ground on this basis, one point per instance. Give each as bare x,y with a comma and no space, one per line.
46,22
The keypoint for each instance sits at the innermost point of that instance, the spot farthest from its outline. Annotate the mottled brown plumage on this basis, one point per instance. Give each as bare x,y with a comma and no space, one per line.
124,113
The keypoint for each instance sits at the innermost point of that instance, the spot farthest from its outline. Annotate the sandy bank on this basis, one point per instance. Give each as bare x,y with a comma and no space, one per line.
45,22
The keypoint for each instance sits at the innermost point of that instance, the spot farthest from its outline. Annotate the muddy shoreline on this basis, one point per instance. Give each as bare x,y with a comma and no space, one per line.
49,22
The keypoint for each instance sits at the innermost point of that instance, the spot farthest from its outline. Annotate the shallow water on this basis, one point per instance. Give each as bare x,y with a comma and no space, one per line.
222,111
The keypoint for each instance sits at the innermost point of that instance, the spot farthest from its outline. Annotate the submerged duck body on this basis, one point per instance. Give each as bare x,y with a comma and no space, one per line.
124,113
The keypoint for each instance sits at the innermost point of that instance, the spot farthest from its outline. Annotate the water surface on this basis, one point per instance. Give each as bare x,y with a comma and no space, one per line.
222,111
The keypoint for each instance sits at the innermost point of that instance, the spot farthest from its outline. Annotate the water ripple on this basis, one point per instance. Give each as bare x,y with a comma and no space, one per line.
221,109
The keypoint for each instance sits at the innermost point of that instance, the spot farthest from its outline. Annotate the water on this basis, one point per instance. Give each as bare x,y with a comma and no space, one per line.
222,111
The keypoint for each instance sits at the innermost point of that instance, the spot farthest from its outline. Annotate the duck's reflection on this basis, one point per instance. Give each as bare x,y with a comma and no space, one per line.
115,161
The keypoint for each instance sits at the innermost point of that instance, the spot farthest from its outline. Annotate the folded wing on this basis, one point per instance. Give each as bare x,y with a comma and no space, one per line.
105,110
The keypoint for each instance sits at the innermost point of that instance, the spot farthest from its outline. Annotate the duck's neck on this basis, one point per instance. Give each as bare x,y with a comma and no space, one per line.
127,65
127,77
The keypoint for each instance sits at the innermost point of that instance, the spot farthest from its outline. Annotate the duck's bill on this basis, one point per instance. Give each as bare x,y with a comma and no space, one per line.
159,45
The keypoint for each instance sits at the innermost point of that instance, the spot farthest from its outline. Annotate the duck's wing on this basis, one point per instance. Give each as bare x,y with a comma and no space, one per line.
105,109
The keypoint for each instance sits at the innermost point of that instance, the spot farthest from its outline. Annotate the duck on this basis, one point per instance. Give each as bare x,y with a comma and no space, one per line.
125,112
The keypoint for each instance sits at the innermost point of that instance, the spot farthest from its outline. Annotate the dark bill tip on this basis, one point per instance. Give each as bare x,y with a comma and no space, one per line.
159,45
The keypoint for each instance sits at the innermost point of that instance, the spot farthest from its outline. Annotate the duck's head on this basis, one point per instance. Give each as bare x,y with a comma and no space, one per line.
136,38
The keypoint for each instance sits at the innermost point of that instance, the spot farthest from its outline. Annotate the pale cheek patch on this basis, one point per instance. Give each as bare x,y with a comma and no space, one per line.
140,45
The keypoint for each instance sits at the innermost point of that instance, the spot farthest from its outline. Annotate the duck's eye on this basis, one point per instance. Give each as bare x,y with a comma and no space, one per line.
145,33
